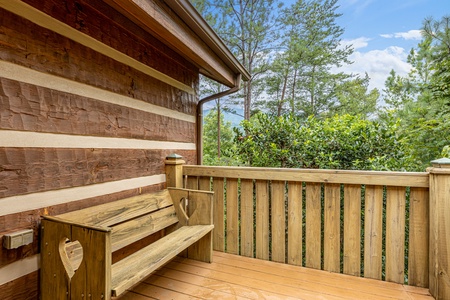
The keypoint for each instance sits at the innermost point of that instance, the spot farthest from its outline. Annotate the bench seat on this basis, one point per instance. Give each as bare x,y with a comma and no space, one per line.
140,264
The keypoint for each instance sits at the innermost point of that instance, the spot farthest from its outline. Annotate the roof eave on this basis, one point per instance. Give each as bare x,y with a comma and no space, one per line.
179,25
187,12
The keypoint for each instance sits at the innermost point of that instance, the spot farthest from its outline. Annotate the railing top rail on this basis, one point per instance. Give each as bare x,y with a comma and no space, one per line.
411,179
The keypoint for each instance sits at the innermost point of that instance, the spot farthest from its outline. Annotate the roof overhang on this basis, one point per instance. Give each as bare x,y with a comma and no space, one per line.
182,28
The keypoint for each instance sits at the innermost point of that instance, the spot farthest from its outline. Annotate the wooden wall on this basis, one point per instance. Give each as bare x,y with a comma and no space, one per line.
79,126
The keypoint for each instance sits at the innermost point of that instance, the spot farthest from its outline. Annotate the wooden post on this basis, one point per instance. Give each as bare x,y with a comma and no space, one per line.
439,271
174,171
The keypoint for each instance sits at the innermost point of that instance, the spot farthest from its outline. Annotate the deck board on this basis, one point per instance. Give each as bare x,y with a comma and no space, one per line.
236,277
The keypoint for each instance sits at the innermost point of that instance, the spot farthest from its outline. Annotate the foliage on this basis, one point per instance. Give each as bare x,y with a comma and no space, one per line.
249,29
354,98
338,142
294,75
302,79
269,142
422,99
446,151
217,147
292,55
314,41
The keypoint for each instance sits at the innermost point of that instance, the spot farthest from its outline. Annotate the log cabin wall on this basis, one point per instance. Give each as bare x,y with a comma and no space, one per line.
78,126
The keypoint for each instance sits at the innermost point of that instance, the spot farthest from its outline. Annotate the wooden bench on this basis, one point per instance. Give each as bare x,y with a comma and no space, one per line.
77,247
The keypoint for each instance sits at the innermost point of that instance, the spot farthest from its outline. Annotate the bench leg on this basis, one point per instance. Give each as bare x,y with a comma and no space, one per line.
202,250
55,283
79,272
93,278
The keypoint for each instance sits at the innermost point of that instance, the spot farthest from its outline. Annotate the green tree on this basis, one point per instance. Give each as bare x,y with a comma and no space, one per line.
354,98
338,142
397,93
313,47
268,141
422,99
277,81
217,147
249,28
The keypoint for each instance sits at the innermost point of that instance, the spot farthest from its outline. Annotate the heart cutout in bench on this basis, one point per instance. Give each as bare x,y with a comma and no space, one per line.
71,254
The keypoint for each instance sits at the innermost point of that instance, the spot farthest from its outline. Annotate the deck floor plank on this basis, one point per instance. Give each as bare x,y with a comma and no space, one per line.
230,289
313,276
262,283
237,277
179,283
133,296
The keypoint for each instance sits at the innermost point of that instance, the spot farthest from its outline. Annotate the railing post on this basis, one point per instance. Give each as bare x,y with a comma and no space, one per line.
439,271
174,170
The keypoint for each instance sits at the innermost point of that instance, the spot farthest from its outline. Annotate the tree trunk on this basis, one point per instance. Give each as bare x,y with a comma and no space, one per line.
313,91
293,92
283,95
247,99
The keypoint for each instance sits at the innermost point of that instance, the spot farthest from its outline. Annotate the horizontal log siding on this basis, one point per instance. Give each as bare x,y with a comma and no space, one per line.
29,106
31,46
31,170
326,213
32,108
23,288
100,21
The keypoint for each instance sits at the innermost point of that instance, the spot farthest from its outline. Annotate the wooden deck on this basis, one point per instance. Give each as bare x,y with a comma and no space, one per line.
236,277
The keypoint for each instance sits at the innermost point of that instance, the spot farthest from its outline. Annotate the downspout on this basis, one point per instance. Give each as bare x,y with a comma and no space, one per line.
234,89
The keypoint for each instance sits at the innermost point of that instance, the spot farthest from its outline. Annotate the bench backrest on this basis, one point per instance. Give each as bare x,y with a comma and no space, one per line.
129,219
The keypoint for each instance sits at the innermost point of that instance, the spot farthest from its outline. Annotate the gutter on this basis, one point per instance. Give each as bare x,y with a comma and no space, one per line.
234,89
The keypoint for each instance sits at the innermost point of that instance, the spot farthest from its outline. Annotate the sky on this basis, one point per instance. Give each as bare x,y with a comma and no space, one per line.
383,32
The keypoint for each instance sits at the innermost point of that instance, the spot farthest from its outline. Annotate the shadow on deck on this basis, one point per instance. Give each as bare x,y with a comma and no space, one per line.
236,277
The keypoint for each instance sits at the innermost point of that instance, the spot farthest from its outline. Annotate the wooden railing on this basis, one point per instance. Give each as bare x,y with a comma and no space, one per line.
316,218
362,223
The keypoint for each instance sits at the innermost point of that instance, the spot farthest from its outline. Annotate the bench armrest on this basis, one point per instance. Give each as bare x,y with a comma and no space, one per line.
79,224
199,206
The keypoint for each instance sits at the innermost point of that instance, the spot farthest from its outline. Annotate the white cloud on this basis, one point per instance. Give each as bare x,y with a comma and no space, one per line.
409,35
378,64
358,43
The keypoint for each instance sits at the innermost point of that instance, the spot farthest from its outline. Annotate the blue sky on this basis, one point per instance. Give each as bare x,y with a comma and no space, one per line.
383,32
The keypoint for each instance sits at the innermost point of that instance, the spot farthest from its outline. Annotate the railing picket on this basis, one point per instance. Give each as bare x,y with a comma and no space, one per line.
295,215
313,225
395,234
247,217
352,229
262,219
373,229
204,183
192,183
219,213
278,221
419,223
331,241
232,241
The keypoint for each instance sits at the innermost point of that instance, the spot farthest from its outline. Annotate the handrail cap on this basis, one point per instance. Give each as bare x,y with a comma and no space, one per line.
441,163
174,156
